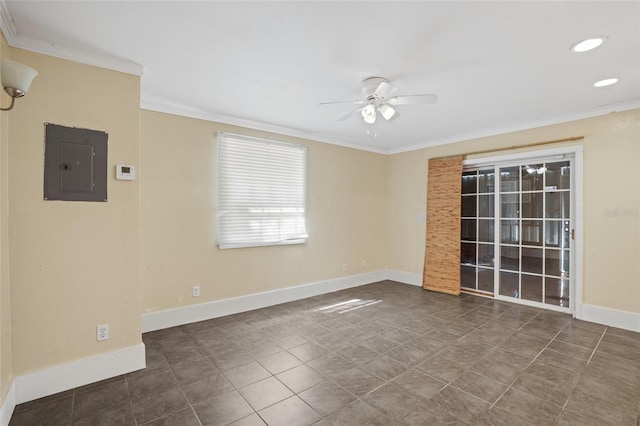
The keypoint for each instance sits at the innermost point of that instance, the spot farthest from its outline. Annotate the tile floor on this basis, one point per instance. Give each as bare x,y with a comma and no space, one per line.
381,354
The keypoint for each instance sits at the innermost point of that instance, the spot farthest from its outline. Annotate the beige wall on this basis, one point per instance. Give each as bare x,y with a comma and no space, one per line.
73,264
611,269
5,291
346,214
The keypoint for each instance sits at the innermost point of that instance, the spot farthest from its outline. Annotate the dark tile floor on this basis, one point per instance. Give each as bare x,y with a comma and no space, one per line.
380,354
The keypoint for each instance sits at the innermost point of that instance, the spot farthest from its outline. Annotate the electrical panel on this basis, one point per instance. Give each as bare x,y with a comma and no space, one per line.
75,164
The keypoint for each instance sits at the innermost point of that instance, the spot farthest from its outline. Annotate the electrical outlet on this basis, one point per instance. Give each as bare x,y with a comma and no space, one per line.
364,264
344,267
102,332
195,291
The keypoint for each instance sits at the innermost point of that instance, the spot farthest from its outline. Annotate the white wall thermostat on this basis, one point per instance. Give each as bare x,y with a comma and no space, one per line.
125,172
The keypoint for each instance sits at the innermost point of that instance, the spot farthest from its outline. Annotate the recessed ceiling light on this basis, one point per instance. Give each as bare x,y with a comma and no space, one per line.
588,44
605,82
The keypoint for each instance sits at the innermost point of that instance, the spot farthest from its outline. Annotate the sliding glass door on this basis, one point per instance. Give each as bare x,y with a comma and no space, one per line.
516,232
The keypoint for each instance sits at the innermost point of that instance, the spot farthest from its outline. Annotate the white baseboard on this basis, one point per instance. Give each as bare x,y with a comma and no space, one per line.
404,277
217,308
8,404
80,372
610,317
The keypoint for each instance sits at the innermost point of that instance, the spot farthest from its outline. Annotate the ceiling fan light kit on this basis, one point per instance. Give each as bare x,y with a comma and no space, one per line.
369,113
387,112
379,97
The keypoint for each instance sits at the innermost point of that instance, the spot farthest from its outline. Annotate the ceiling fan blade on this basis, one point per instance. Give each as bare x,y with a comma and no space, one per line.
385,90
414,99
343,102
352,113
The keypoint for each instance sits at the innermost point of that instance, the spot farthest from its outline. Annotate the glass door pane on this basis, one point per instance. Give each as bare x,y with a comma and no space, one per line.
477,230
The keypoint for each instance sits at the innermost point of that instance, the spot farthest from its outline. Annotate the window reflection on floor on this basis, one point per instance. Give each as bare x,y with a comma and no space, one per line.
349,305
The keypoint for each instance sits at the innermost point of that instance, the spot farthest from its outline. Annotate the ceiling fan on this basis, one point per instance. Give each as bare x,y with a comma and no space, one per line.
379,98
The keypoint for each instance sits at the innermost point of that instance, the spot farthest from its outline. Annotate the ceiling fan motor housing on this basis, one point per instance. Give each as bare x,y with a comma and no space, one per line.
370,84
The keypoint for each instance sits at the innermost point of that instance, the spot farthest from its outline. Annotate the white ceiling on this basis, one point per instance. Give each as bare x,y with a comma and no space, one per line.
496,66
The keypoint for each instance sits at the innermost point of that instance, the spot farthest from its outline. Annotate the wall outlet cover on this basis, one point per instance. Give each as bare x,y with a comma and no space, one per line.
102,332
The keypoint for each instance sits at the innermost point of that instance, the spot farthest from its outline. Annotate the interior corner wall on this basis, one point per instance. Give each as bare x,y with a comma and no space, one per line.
73,265
6,368
346,218
611,202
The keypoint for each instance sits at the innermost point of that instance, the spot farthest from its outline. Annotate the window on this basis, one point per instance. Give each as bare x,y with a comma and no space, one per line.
262,191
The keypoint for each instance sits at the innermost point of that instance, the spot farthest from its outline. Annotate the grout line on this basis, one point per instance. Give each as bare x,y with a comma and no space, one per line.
135,421
470,394
574,386
545,347
126,382
532,318
193,410
73,402
505,391
597,344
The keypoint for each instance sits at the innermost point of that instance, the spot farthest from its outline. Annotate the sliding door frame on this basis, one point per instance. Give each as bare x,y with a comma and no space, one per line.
576,152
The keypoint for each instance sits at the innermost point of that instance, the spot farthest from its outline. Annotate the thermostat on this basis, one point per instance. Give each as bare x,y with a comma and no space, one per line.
125,172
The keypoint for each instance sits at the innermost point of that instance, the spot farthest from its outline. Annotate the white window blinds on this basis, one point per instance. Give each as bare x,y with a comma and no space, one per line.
262,192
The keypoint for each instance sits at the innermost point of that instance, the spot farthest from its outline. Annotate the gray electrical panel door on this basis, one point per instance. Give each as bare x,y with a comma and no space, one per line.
75,164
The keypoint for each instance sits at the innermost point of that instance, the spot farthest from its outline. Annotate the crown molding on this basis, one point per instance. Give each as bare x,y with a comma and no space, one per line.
169,107
38,46
6,22
603,110
110,63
